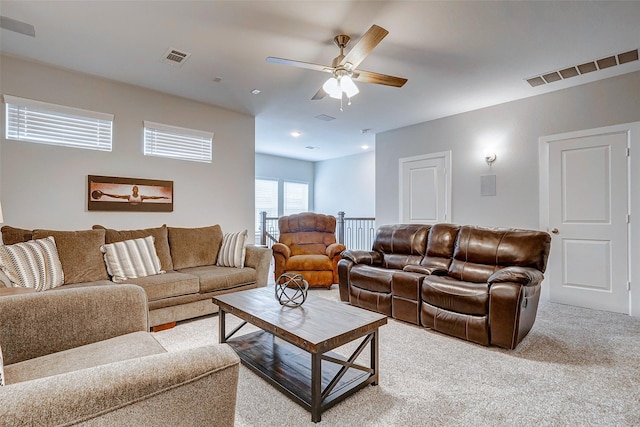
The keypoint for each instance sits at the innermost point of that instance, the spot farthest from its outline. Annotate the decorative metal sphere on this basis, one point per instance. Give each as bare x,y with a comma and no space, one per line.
291,290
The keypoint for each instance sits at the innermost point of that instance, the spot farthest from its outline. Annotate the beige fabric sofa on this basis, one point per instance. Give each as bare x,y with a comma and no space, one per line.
187,255
83,356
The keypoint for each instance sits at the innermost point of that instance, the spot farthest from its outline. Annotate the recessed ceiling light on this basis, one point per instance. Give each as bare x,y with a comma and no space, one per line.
296,134
217,79
310,147
365,147
255,91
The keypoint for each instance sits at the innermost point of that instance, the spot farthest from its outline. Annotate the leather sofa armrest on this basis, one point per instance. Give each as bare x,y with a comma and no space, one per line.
363,257
522,275
436,271
335,249
199,383
281,249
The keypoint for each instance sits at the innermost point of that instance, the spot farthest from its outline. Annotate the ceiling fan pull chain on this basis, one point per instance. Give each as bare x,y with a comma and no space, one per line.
341,98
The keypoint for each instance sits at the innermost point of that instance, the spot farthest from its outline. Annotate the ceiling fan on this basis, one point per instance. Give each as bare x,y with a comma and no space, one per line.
344,70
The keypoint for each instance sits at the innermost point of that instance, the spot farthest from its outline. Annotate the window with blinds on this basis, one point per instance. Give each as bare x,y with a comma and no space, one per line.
296,197
45,123
177,143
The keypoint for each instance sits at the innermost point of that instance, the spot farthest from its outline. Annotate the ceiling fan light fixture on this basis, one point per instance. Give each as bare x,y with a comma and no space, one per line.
332,87
348,86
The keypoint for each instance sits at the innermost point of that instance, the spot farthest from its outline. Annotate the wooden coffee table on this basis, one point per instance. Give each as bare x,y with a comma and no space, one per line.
292,351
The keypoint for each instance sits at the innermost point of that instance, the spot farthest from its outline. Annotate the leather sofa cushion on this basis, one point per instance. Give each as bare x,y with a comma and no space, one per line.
311,262
456,295
307,232
495,248
401,244
374,279
169,284
214,278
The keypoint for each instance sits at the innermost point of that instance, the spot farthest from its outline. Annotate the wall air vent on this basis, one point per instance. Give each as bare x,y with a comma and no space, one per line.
175,57
587,67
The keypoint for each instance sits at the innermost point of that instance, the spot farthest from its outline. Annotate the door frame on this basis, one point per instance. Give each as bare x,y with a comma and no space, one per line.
446,155
633,200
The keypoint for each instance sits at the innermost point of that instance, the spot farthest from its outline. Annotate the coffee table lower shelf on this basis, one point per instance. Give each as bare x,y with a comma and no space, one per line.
289,369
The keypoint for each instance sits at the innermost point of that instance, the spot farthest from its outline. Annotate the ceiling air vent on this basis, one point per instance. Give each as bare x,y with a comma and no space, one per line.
587,67
324,117
175,57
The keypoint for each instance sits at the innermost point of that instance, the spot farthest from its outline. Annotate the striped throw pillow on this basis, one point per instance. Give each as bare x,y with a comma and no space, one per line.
232,251
132,258
33,264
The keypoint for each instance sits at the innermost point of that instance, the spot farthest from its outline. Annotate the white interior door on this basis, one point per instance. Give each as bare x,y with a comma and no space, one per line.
588,218
425,188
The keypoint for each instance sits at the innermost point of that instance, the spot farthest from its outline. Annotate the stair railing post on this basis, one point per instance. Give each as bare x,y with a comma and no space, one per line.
263,228
341,227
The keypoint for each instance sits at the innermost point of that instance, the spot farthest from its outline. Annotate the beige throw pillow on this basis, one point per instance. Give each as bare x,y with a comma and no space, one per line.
232,252
131,259
34,264
160,235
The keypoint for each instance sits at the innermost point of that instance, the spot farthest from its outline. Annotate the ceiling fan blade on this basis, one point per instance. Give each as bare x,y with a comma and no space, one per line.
369,40
300,64
319,95
377,78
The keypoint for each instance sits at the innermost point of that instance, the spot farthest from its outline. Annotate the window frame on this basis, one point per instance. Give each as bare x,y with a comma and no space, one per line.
185,136
57,125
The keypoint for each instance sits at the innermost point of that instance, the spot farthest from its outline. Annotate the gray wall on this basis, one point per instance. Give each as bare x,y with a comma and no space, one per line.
346,184
512,129
45,186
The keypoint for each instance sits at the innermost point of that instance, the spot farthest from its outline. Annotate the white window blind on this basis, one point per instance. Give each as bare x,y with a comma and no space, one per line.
296,197
45,123
176,142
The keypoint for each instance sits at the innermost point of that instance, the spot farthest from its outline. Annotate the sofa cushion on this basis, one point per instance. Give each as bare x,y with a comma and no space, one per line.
214,278
11,235
374,279
33,264
455,295
132,258
194,247
309,262
232,251
160,235
401,244
170,284
123,347
79,253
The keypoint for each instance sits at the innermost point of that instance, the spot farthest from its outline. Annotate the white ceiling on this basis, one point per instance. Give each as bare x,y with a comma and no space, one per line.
458,56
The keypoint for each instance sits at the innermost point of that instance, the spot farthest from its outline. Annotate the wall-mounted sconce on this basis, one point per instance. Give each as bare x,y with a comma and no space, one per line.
490,157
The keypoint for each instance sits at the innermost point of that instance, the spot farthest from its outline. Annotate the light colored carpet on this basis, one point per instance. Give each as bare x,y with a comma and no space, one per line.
577,367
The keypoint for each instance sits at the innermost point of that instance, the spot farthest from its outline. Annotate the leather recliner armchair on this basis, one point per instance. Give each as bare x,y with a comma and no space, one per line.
307,246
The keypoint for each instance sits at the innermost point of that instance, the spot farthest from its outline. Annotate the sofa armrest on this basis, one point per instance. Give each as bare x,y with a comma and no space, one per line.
523,275
281,249
335,249
363,257
198,385
41,323
259,258
436,271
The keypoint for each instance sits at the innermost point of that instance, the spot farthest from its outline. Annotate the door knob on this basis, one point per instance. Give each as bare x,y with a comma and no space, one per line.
555,231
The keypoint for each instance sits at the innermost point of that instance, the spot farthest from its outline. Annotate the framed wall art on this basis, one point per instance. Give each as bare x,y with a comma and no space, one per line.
109,193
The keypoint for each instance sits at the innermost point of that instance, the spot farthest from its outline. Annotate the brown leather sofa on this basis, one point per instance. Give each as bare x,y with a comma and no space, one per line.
478,284
307,246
